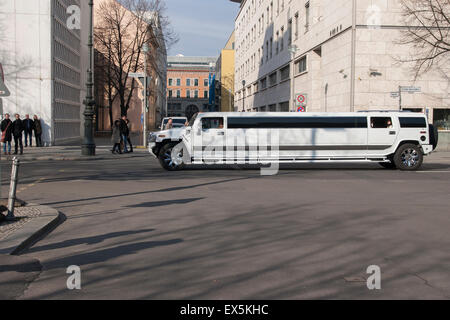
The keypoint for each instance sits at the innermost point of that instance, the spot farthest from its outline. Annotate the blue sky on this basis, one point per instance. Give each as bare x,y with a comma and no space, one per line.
203,26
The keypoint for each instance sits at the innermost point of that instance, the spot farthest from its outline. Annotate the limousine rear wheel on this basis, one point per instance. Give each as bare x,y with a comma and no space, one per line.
167,161
408,157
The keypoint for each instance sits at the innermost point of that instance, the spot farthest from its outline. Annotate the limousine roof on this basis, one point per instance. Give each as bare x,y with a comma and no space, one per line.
309,114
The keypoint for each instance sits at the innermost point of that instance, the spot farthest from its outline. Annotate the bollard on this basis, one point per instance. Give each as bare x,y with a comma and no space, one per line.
12,189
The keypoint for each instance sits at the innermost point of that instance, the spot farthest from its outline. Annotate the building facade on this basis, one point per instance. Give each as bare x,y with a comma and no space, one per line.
45,56
339,55
225,77
188,84
108,108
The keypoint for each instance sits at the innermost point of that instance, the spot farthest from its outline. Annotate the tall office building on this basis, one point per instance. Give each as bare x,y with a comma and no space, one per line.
45,57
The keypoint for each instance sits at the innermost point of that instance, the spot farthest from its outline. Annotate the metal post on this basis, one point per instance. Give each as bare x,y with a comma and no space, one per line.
400,98
88,146
12,188
145,49
243,95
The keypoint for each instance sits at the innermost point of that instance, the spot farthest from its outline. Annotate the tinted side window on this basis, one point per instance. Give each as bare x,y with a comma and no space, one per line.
380,122
296,122
212,123
415,122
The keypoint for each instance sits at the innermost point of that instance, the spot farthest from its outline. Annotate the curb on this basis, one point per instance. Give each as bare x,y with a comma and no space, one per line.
77,158
32,231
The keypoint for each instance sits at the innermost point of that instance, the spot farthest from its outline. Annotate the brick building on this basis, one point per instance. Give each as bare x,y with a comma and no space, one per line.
188,84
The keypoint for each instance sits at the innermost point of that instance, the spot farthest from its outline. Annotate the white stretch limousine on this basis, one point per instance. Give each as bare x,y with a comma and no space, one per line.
393,139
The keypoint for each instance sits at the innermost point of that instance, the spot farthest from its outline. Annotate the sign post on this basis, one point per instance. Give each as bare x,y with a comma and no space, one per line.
300,102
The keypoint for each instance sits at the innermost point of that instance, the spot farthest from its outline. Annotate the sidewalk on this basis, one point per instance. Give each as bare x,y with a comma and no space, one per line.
103,152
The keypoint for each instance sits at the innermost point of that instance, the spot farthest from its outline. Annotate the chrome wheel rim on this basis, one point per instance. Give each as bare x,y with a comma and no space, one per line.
173,159
410,157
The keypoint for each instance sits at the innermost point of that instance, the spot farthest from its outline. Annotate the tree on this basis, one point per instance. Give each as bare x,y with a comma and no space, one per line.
121,30
427,33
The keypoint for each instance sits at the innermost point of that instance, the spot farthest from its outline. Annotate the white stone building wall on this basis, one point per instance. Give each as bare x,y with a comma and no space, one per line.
328,80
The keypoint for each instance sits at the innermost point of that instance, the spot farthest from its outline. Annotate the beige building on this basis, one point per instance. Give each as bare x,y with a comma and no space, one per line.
343,53
225,77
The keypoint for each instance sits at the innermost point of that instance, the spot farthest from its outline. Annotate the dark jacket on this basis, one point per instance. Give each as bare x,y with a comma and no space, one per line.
37,127
17,127
123,127
4,125
28,125
115,138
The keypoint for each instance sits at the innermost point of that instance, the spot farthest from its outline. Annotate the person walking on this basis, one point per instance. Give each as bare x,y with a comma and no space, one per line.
115,138
6,127
37,127
28,129
17,129
129,134
124,132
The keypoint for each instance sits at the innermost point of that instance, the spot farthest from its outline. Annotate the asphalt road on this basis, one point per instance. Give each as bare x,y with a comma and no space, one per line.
139,232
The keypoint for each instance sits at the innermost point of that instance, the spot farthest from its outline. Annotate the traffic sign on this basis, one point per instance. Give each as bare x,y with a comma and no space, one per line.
300,99
301,109
411,89
394,94
136,75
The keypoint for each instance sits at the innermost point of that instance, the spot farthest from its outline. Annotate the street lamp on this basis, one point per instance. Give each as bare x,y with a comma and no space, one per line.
243,95
292,49
88,145
145,49
213,90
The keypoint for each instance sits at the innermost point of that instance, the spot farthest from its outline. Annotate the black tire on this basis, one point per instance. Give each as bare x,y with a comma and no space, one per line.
434,135
165,158
408,157
388,165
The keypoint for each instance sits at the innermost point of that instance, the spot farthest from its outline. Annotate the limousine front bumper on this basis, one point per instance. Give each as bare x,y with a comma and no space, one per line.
151,147
427,148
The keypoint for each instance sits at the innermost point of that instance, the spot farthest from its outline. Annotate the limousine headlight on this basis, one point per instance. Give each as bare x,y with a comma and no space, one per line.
151,137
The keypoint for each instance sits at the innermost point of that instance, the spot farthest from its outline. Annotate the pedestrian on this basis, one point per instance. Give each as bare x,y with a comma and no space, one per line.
6,127
37,127
28,129
124,132
17,129
129,134
115,138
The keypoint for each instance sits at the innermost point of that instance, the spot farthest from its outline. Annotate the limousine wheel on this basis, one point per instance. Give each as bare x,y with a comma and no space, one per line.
167,161
408,157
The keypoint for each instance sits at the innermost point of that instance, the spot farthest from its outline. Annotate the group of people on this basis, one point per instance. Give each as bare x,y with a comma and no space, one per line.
121,135
16,129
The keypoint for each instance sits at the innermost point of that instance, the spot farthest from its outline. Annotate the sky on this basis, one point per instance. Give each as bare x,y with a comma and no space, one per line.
203,26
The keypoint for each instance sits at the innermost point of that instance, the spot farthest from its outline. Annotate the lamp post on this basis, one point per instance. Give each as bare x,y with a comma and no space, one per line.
88,145
213,83
243,95
145,49
292,49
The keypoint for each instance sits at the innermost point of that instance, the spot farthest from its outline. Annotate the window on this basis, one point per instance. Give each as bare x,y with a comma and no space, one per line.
170,93
196,82
205,82
277,46
284,73
300,65
263,83
296,122
271,47
441,119
205,94
196,94
273,79
178,94
282,39
380,122
296,26
409,122
178,82
188,82
307,15
290,32
212,123
170,82
188,93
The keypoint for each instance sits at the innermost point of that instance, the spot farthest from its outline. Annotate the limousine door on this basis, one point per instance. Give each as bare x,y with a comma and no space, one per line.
212,139
382,134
